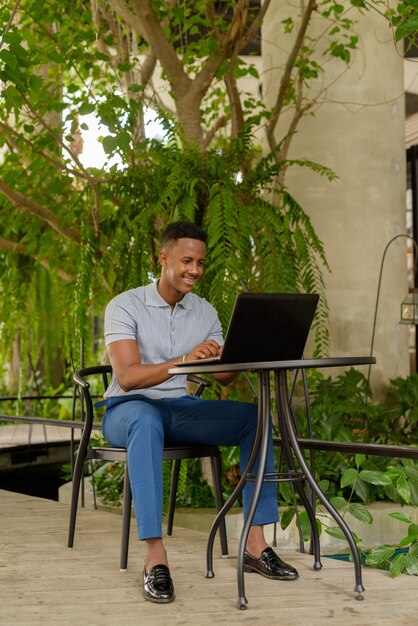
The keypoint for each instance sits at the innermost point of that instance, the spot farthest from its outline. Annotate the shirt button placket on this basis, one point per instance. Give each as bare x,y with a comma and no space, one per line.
172,337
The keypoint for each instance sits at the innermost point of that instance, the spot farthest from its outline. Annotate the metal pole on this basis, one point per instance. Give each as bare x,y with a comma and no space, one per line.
380,282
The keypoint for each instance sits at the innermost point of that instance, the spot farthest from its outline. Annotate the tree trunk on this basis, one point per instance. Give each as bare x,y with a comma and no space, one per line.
188,113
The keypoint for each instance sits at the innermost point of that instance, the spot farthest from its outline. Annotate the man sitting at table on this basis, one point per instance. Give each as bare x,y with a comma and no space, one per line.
147,331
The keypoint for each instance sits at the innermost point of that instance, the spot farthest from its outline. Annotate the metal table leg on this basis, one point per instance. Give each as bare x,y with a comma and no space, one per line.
260,447
264,417
283,397
283,400
232,498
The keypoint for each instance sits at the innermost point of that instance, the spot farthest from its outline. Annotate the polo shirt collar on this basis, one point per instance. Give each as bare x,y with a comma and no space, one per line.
153,298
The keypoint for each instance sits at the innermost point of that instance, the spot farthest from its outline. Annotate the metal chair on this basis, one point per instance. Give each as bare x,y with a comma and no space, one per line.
174,453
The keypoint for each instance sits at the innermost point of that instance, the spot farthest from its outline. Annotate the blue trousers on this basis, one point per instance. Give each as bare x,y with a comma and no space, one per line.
143,426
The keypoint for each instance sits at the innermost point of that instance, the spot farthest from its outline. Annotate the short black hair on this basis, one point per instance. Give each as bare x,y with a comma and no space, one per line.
178,230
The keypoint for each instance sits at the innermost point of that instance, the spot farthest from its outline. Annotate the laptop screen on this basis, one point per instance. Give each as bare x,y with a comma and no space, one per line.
268,327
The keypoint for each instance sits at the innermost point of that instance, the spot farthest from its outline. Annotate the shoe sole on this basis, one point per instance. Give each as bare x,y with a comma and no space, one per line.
159,600
252,570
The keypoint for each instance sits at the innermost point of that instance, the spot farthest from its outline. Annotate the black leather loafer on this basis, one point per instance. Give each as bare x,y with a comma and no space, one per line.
158,586
269,565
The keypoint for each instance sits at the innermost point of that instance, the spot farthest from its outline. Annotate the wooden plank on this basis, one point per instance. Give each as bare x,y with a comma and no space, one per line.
42,582
14,435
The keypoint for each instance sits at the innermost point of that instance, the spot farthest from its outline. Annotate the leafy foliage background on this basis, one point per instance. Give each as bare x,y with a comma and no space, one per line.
72,236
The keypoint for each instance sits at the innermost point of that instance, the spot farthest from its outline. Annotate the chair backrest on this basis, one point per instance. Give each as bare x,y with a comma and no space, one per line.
87,410
104,370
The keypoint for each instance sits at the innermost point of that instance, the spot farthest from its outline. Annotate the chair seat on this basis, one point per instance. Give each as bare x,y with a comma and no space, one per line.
170,453
118,455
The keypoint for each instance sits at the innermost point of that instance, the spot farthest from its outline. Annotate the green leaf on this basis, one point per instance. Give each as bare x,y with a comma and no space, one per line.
36,82
361,488
407,28
56,57
349,477
123,140
404,491
86,107
287,517
380,554
406,541
323,485
253,71
408,463
411,537
359,459
401,517
397,565
413,550
8,58
335,531
109,144
12,37
285,492
124,67
375,478
411,565
360,512
413,530
136,88
338,502
305,525
288,25
412,473
414,492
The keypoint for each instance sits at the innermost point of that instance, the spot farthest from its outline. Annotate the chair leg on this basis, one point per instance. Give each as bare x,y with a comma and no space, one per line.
175,472
77,476
217,483
126,521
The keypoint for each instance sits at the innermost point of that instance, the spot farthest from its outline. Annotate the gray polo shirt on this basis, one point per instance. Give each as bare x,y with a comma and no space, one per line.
161,333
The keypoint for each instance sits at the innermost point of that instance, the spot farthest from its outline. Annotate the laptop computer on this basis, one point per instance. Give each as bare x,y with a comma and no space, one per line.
266,327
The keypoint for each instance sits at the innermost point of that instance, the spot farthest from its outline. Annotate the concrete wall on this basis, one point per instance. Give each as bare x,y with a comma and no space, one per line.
384,529
357,130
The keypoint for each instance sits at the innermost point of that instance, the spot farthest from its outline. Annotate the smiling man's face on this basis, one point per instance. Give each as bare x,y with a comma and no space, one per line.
182,265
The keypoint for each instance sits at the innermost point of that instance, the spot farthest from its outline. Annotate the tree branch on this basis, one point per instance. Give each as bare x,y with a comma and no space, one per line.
30,206
231,43
285,80
10,22
221,122
226,44
211,13
256,24
147,25
188,93
299,112
58,139
130,18
95,211
59,165
148,67
237,115
100,16
20,248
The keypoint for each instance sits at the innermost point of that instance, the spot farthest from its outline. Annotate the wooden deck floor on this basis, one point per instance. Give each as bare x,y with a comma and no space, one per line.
42,582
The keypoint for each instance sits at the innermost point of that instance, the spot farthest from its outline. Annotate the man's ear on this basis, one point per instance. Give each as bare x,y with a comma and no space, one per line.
162,256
